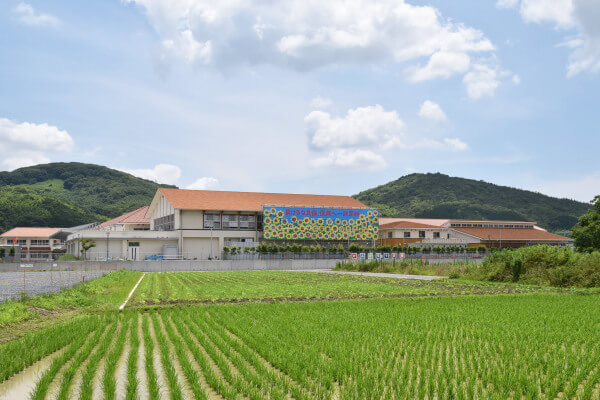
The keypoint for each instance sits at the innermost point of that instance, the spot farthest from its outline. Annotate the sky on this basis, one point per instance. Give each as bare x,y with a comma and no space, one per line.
306,96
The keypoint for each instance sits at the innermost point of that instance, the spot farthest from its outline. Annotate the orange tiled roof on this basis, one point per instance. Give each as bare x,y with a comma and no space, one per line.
406,224
433,222
511,234
133,217
250,201
22,232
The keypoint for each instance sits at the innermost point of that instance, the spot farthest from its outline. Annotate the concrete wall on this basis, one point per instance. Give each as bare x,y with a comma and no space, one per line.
172,265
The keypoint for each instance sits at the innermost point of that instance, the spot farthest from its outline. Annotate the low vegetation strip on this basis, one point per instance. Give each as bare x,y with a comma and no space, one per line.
536,265
105,293
185,288
472,347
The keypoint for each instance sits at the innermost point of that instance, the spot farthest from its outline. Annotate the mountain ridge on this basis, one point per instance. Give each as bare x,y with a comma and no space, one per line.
436,195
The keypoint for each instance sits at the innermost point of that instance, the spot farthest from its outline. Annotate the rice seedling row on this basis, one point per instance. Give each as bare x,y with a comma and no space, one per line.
240,286
539,346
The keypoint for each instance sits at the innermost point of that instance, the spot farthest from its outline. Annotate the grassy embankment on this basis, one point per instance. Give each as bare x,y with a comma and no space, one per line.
105,293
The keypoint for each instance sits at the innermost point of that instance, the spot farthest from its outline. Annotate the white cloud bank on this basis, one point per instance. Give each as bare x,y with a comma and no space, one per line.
433,111
161,173
24,144
579,16
306,34
360,139
27,15
206,183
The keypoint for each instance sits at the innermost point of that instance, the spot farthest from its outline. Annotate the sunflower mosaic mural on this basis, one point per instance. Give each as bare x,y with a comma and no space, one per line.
303,223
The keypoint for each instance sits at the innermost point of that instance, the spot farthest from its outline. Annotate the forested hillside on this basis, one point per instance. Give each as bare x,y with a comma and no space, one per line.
77,193
25,207
442,196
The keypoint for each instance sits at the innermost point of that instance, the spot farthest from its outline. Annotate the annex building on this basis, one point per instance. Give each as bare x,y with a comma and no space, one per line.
33,244
466,233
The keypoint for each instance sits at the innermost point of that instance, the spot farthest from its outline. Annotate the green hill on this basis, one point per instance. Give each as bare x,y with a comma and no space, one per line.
78,193
441,196
25,207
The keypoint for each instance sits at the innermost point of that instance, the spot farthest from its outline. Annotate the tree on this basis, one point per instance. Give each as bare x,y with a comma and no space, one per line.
587,231
86,244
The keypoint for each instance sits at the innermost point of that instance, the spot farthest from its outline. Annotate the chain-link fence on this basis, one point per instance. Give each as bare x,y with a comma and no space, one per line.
33,280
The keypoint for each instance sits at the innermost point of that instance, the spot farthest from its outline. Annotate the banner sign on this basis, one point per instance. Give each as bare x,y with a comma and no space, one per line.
300,223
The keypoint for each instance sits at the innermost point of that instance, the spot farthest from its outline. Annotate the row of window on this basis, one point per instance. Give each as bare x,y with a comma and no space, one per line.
35,242
407,235
501,226
230,221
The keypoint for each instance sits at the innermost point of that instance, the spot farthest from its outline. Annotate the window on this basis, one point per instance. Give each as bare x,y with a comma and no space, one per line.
40,242
38,255
230,221
436,235
212,220
141,229
247,221
166,223
422,234
134,244
21,242
390,235
406,235
448,236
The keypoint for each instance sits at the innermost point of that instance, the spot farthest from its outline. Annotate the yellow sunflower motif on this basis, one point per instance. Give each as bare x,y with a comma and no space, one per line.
320,221
280,214
306,220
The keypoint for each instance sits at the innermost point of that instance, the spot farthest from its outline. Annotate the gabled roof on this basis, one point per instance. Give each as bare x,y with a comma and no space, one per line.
431,222
511,234
24,232
133,217
406,224
250,201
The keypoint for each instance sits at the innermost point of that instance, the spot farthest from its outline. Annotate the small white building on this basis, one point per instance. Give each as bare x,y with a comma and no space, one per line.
35,244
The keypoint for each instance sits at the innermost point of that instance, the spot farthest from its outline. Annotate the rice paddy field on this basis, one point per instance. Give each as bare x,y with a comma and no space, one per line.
340,338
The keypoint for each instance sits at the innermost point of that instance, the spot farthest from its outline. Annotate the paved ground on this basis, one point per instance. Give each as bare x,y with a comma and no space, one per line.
40,282
377,274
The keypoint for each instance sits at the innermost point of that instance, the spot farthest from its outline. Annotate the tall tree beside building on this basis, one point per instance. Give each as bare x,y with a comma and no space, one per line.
587,231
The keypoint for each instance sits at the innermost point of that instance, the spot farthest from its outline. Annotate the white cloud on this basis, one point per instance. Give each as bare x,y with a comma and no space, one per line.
320,102
456,144
433,111
24,158
305,34
482,80
361,137
516,79
188,48
26,14
440,65
361,126
26,143
205,183
580,16
350,159
161,173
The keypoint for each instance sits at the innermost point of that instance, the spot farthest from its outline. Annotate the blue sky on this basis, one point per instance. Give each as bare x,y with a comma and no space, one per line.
306,96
